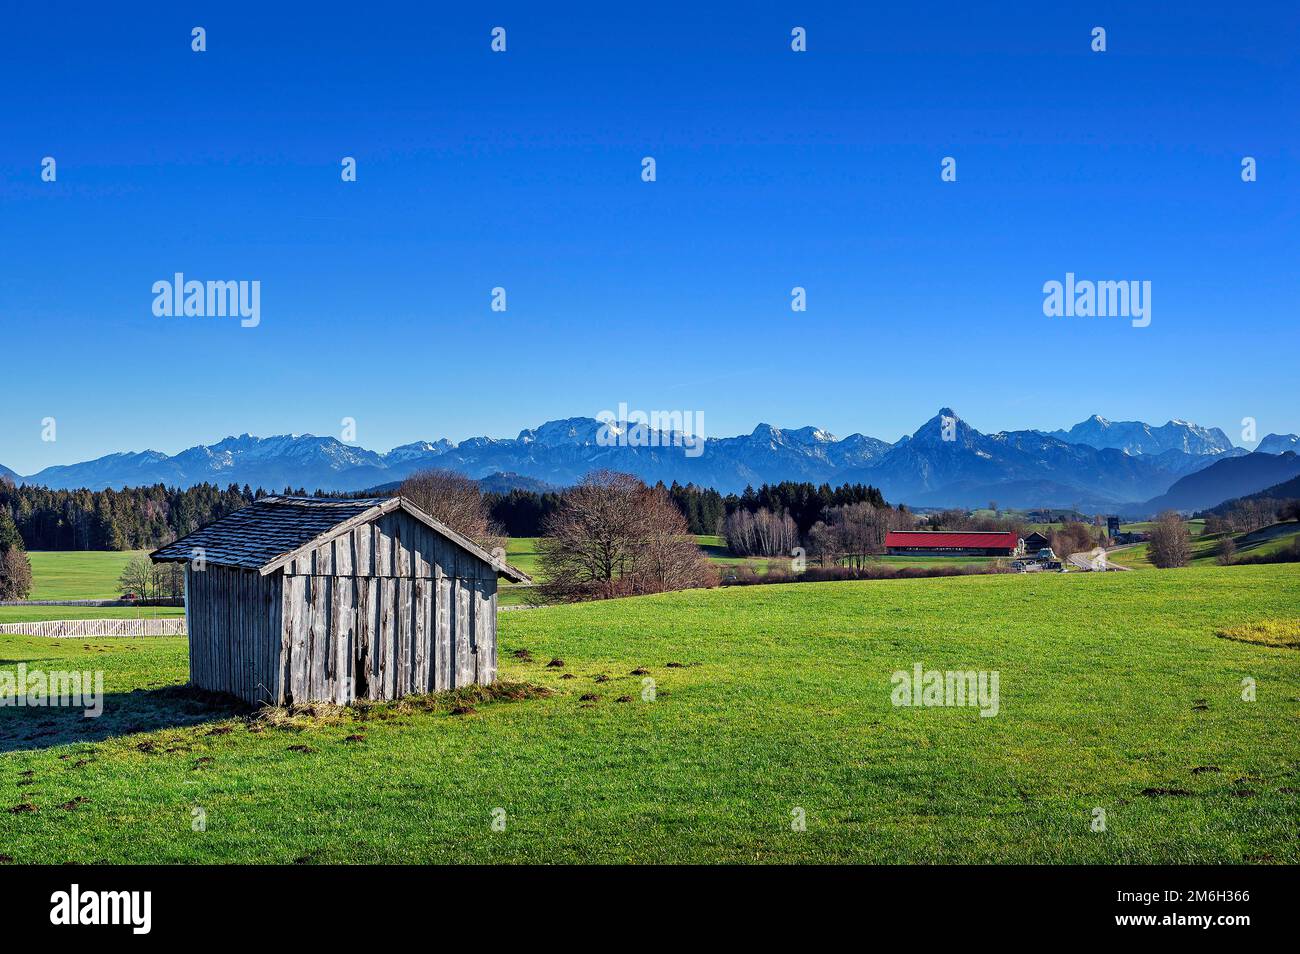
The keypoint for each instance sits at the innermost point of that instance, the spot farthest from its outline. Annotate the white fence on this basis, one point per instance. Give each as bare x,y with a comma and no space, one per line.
92,602
62,628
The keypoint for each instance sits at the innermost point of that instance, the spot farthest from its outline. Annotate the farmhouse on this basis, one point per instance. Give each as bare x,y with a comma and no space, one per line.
1035,541
297,599
965,543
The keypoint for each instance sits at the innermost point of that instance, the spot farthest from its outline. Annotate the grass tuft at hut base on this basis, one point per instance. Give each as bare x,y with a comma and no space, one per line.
294,718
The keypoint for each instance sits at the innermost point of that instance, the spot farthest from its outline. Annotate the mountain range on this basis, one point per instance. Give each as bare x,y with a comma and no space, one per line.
1097,464
1139,438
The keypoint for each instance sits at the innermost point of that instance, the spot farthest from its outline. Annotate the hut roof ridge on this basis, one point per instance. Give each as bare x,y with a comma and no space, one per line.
272,531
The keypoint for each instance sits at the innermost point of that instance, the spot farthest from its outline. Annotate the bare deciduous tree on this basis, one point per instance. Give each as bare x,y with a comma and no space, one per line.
824,544
761,533
614,536
455,500
1171,544
138,577
1073,537
152,581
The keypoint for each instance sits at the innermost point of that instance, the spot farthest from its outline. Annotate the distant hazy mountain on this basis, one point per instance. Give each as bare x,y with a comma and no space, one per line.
1225,479
1139,438
11,474
1016,468
1279,444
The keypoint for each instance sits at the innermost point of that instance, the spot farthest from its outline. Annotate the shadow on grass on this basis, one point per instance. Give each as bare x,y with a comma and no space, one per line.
29,728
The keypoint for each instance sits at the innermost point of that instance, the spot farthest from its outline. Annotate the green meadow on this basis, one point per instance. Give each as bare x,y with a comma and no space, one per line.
78,574
758,707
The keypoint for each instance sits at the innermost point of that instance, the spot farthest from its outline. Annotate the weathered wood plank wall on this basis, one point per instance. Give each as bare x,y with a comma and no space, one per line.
386,610
233,618
348,637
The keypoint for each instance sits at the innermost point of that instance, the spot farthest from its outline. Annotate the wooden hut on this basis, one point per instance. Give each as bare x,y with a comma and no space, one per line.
294,599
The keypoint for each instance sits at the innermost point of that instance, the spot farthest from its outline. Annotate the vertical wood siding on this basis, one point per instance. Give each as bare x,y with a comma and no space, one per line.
233,617
387,610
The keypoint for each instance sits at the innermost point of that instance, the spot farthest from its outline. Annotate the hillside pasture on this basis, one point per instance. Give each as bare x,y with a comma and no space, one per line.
1205,549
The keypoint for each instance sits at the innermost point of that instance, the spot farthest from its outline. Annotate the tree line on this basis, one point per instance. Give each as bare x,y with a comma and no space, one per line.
523,513
135,518
144,518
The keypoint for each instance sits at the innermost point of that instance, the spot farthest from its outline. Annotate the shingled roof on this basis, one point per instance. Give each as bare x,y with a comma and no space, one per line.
266,534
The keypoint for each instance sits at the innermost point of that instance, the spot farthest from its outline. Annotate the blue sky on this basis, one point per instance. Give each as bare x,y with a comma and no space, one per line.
522,170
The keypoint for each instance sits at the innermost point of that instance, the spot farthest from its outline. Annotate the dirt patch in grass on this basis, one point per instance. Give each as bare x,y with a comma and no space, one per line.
1278,633
1165,792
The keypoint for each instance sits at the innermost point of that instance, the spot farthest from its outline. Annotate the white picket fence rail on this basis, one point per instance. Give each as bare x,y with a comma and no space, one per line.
65,628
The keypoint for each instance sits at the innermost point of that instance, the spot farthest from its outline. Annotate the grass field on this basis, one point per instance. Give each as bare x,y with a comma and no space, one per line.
78,575
1115,693
1194,527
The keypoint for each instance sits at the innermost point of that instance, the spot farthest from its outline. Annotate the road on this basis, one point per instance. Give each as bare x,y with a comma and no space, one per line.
1095,561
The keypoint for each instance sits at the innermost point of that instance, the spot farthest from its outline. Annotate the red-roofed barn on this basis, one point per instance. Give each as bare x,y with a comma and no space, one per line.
965,543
